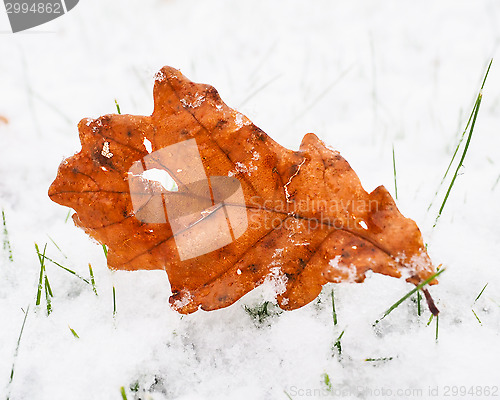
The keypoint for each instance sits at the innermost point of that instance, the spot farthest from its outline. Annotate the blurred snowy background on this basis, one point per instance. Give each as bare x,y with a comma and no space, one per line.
364,76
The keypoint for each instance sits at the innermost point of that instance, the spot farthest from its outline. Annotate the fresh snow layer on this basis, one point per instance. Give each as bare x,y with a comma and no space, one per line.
364,76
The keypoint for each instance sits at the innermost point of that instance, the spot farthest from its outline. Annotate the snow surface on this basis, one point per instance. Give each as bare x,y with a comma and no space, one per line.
362,75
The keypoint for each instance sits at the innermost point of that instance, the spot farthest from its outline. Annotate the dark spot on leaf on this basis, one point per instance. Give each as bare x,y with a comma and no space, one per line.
260,135
220,123
253,268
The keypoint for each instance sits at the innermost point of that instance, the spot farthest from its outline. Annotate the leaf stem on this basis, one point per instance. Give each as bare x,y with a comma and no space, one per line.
402,299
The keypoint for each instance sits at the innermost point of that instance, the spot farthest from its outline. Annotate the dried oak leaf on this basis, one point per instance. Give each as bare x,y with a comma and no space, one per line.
305,219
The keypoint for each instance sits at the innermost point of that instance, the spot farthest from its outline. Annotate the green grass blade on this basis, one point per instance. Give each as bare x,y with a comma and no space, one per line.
124,395
47,285
6,242
406,296
48,295
338,345
480,293
92,279
419,300
476,316
464,133
117,107
41,258
460,163
114,302
287,395
64,268
73,332
16,352
474,115
333,309
437,328
105,250
261,312
328,383
57,247
394,169
496,183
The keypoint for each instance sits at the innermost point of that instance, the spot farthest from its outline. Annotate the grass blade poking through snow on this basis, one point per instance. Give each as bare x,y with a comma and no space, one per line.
437,327
473,312
43,281
124,395
114,302
394,169
407,295
459,142
476,299
480,293
61,266
92,280
41,258
383,359
419,300
117,107
57,247
327,382
453,157
333,310
6,242
48,295
337,346
473,119
16,352
73,332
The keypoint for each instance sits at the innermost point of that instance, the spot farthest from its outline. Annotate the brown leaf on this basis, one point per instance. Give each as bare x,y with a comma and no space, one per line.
245,209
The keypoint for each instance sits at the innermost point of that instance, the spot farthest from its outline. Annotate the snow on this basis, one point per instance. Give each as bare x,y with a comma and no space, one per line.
363,76
105,150
349,271
148,145
198,101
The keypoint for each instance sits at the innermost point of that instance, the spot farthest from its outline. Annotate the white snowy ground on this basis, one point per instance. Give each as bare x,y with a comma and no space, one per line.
363,76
